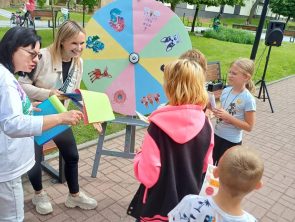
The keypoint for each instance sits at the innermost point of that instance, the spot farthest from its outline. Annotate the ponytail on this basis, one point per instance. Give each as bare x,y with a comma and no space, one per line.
251,86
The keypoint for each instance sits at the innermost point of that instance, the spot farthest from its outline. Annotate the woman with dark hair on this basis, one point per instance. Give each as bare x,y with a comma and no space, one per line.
19,54
59,71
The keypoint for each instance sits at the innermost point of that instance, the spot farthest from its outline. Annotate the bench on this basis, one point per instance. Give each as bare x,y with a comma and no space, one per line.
213,74
290,33
246,27
46,13
59,174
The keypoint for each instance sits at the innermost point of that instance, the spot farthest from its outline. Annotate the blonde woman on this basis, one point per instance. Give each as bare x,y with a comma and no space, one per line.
178,146
59,71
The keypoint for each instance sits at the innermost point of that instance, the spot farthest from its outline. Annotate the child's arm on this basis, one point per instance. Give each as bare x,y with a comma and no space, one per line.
246,124
147,163
208,158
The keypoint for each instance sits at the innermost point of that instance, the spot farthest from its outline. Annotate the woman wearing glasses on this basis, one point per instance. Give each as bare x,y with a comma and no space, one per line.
19,54
59,71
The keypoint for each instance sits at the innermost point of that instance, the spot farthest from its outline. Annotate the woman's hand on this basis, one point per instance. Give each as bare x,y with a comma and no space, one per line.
55,92
71,117
35,108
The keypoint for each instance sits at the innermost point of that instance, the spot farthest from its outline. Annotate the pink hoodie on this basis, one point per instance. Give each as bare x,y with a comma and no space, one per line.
180,123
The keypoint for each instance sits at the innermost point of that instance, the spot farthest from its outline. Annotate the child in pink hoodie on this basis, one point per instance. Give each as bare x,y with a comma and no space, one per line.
177,147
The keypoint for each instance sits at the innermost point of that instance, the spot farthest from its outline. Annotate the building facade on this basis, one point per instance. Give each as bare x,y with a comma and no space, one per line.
184,9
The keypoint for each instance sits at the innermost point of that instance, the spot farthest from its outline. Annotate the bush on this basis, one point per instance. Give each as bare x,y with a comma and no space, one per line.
230,35
41,3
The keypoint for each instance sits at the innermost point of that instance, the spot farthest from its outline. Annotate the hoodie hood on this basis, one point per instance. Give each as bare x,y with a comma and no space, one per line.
180,123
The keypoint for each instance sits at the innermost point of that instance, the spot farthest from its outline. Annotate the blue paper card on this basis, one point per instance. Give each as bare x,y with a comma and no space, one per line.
52,105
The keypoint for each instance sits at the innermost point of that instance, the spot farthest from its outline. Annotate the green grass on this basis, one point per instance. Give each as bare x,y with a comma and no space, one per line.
280,62
3,18
46,35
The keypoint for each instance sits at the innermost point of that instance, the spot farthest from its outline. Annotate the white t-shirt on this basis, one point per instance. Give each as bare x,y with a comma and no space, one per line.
194,208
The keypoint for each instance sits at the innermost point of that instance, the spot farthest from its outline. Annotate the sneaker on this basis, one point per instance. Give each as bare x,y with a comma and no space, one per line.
82,201
42,203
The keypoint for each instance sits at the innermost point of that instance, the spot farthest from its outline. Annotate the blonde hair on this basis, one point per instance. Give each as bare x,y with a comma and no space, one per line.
248,66
184,83
240,170
196,56
66,31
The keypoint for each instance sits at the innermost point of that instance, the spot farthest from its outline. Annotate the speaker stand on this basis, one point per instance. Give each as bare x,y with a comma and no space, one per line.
263,92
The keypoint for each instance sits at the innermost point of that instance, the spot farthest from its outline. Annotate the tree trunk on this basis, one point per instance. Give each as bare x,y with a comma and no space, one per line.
288,19
195,18
252,11
221,9
173,6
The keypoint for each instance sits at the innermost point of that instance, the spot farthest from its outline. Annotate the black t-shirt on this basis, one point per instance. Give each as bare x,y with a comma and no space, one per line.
65,69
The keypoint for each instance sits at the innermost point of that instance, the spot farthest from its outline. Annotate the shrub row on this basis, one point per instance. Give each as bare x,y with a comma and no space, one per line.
231,35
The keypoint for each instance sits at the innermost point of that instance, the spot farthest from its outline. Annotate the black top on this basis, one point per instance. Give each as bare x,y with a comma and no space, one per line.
65,69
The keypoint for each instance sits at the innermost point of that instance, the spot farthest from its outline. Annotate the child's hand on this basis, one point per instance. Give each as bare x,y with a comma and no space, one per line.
138,149
98,127
222,114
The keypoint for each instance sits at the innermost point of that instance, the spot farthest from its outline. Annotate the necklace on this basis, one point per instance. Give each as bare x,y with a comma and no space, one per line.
232,99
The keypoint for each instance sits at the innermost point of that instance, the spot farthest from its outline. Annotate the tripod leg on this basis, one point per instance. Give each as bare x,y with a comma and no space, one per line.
268,98
258,82
263,91
260,89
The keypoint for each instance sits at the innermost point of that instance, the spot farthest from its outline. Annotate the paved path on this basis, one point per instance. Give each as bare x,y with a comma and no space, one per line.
38,24
6,23
273,136
5,13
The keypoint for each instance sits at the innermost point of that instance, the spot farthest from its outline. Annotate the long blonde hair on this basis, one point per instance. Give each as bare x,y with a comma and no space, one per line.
248,66
184,83
66,31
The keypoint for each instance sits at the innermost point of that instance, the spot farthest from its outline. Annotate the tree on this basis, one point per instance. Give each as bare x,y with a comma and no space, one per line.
283,7
41,3
197,3
252,11
90,4
173,3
